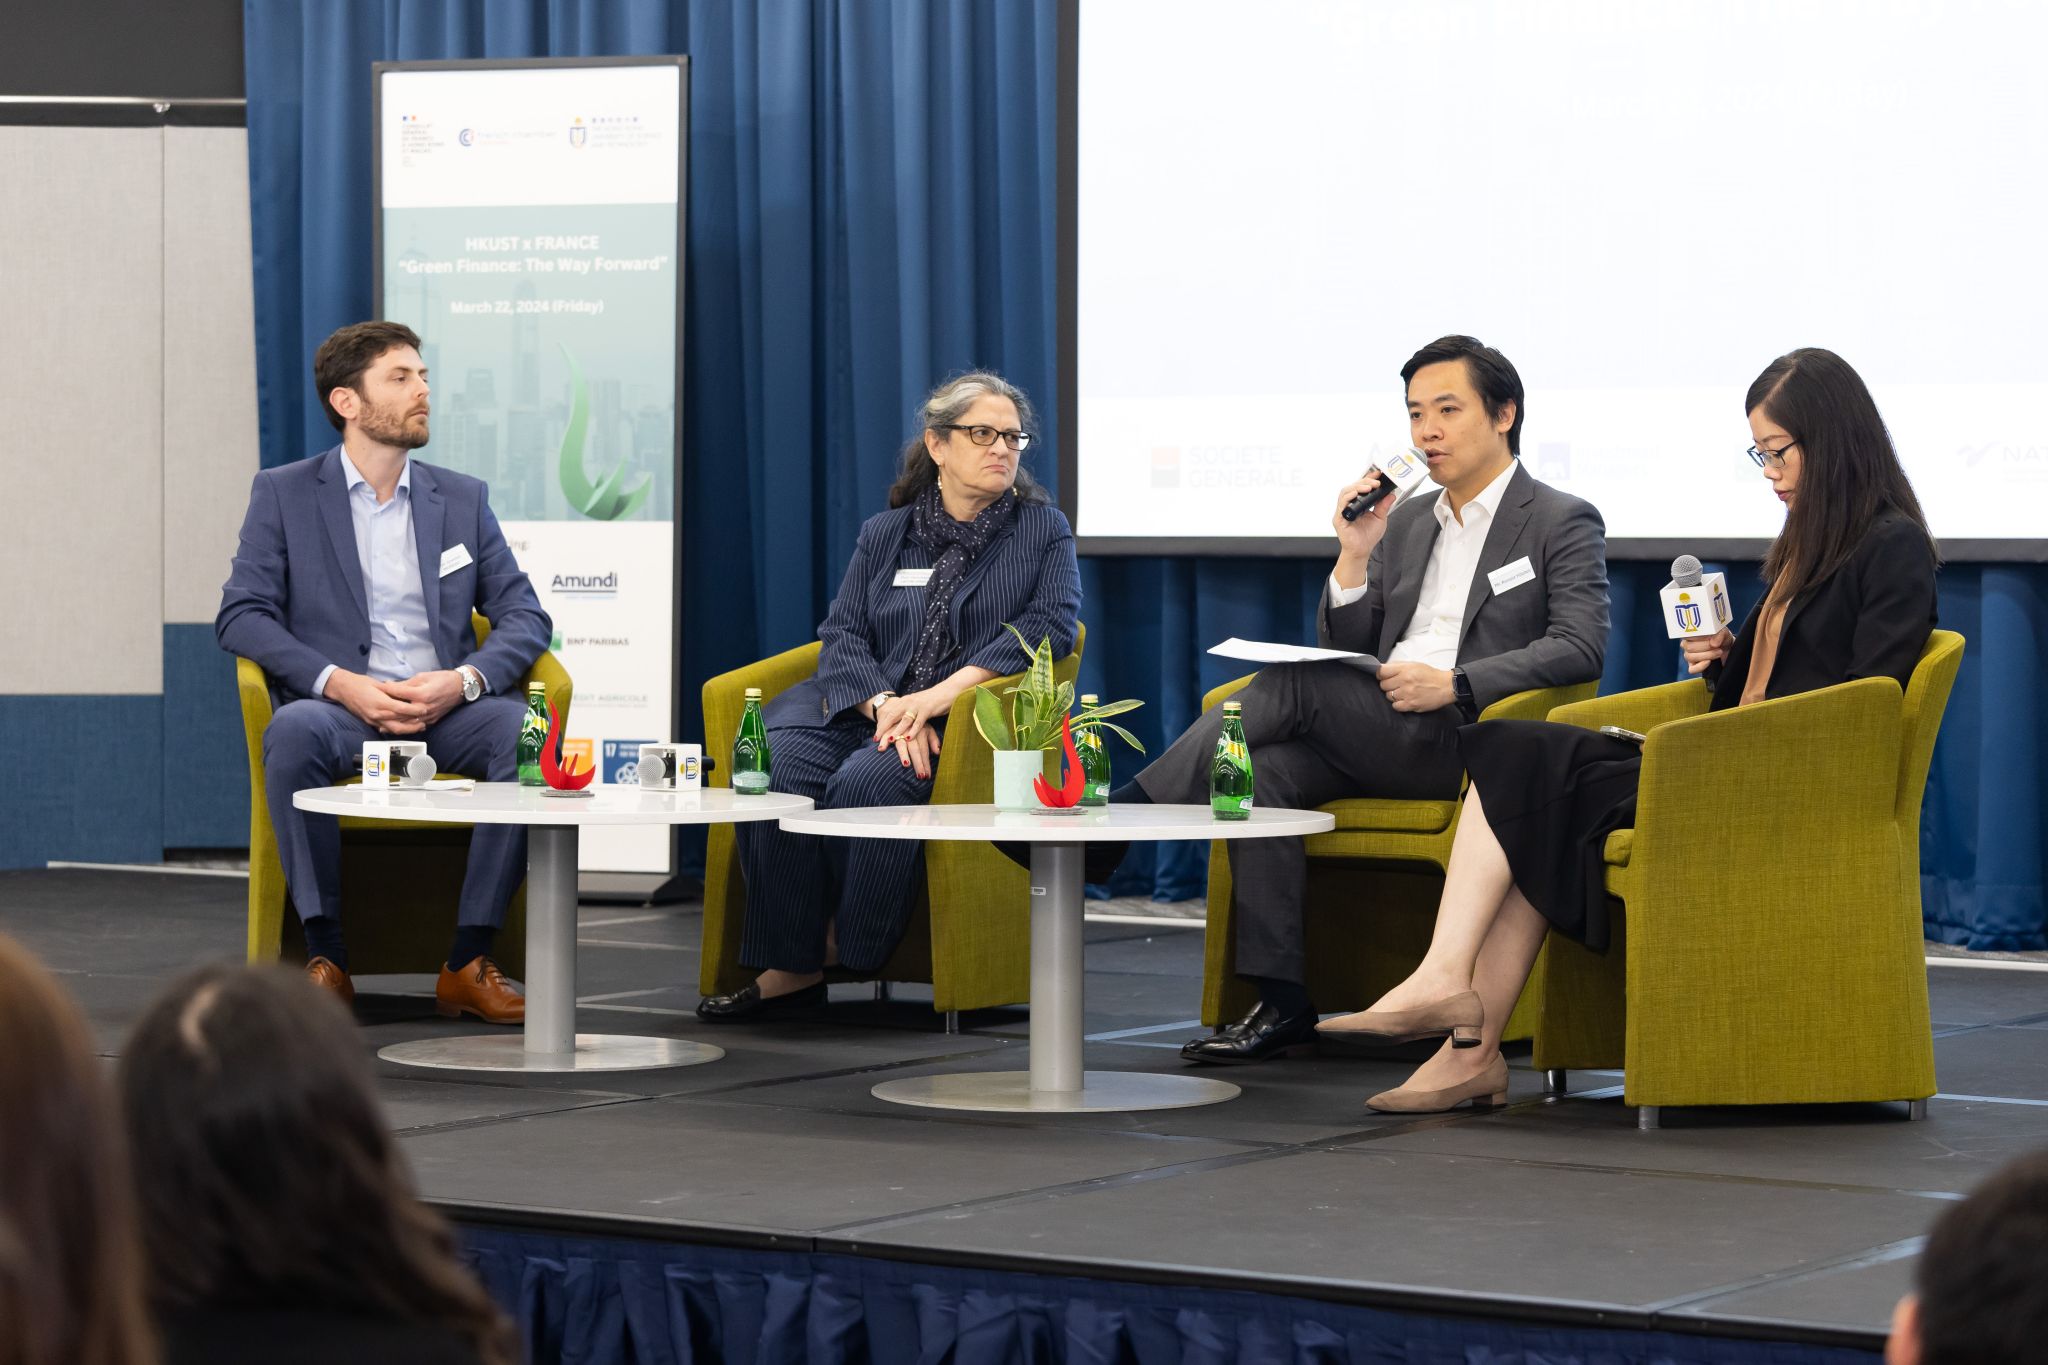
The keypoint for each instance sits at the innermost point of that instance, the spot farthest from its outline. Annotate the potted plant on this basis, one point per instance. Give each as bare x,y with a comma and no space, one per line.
1036,722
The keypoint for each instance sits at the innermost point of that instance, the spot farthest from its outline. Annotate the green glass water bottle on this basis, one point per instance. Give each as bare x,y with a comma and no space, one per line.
533,735
750,750
1094,760
1230,776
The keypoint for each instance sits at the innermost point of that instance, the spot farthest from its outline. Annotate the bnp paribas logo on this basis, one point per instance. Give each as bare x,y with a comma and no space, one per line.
619,492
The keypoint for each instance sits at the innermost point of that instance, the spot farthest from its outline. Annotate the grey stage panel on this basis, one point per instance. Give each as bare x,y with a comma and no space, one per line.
2011,1062
754,1167
1859,1293
1865,1146
1977,995
1382,1217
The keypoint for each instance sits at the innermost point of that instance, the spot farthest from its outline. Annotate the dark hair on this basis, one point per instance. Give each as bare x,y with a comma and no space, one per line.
1979,1277
265,1172
1849,473
71,1277
945,405
342,358
1493,375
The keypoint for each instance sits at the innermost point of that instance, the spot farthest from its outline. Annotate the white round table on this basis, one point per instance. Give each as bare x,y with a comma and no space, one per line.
1055,1082
551,1042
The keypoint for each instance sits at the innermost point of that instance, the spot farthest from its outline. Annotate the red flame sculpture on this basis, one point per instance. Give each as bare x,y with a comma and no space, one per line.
557,777
1069,793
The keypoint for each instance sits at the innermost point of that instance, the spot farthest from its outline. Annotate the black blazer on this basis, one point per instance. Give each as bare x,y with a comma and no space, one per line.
1027,576
1869,619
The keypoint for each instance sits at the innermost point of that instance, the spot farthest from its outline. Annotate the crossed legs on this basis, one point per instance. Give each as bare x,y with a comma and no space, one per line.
1486,939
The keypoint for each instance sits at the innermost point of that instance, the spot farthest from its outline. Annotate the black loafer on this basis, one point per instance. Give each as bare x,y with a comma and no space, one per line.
1264,1033
746,1003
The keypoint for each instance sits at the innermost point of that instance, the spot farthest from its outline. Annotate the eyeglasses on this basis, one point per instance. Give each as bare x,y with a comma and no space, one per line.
986,436
1771,459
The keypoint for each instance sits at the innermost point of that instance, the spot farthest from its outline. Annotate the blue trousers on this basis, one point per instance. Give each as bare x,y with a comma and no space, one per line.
313,743
797,884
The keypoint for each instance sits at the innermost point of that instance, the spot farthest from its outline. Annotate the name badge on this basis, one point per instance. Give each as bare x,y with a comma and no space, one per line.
1511,575
912,578
457,556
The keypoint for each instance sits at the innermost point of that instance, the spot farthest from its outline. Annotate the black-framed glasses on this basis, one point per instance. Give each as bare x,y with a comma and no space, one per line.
986,436
1770,459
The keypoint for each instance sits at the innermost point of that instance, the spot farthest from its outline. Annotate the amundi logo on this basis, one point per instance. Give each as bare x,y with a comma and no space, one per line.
585,585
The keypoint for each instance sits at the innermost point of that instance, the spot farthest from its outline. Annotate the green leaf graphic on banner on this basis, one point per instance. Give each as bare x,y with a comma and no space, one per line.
618,496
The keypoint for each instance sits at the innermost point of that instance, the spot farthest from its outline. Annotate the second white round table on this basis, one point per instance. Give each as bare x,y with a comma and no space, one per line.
1056,1080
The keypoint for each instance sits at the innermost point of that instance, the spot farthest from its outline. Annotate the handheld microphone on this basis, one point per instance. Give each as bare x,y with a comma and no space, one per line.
1398,474
1694,604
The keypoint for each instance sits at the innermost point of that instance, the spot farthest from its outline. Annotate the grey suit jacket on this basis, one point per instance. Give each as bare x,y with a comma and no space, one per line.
1547,632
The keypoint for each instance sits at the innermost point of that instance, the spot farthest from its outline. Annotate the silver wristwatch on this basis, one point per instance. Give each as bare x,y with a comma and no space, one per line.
472,682
875,702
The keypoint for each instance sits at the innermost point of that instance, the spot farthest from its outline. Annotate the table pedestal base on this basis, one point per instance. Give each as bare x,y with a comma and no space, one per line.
594,1052
1002,1091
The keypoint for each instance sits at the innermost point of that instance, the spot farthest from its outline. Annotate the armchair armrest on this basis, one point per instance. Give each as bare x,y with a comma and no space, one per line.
1792,792
1539,703
1642,710
725,699
1223,691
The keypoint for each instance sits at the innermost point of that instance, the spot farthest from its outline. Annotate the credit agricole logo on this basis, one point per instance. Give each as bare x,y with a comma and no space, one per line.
620,491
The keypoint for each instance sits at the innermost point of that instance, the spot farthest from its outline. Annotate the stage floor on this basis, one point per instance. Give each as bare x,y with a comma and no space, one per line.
1788,1223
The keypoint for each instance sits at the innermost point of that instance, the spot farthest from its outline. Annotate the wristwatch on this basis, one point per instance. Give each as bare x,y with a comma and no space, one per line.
1461,694
875,702
472,682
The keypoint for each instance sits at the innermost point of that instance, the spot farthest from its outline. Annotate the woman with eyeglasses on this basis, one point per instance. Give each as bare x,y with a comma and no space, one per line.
1850,595
969,543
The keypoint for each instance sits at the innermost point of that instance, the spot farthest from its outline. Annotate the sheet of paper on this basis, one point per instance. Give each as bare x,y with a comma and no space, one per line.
1268,652
452,784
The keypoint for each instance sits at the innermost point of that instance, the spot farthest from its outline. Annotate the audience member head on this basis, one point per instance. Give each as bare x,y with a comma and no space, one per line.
70,1263
265,1173
1834,464
1493,378
950,405
374,368
1981,1290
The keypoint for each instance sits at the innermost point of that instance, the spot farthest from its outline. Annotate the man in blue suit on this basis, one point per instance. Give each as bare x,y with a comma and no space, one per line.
353,586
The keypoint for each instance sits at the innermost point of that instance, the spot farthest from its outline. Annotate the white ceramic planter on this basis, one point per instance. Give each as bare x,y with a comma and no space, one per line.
1014,770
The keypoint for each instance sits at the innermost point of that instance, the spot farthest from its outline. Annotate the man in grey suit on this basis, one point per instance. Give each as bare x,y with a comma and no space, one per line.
353,587
1494,585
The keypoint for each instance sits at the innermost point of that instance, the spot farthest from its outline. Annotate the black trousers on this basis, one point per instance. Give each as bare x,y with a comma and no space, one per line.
1318,732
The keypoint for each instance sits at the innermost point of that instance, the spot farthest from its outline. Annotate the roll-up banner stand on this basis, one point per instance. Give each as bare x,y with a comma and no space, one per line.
529,226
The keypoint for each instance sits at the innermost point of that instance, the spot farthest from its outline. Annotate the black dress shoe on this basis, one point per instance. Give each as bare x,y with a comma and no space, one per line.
746,1003
1262,1034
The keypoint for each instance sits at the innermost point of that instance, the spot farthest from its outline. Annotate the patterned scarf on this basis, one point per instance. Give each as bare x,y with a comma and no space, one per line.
953,546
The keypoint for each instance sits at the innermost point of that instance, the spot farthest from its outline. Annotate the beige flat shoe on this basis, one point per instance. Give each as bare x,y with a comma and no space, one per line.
1461,1016
1488,1089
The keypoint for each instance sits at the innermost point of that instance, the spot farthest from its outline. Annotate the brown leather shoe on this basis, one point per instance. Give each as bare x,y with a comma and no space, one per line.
482,990
328,977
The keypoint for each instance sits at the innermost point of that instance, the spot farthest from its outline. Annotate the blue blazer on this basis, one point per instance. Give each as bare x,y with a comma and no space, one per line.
295,603
1027,576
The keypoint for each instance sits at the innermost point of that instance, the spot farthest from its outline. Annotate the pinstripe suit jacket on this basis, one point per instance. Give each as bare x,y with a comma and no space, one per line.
1027,577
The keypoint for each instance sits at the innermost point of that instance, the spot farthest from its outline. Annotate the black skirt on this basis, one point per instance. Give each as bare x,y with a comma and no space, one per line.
1553,793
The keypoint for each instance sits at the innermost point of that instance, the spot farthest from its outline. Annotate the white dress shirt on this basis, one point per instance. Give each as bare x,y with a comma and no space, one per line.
401,643
1433,632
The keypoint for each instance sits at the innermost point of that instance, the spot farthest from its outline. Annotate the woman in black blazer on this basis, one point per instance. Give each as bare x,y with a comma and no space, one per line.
1851,595
968,545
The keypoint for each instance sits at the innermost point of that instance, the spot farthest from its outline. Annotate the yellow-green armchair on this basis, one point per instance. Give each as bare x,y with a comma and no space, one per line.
400,880
1373,886
1768,948
971,937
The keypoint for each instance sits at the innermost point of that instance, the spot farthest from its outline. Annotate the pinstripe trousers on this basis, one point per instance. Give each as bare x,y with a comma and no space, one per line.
798,883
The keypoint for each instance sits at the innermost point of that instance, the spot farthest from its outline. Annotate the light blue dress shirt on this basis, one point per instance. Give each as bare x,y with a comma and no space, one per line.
401,643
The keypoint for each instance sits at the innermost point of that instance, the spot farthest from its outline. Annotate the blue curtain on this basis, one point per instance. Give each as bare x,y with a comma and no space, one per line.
602,1300
871,207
